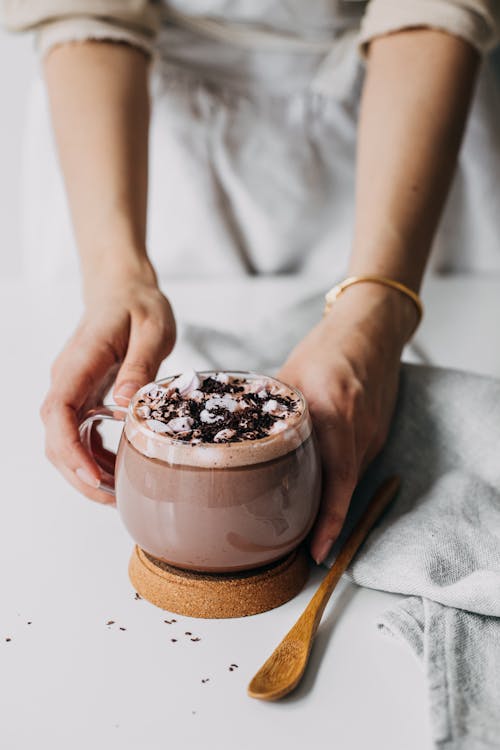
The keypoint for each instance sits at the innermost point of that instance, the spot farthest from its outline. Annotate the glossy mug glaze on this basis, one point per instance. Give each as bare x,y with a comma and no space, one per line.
215,507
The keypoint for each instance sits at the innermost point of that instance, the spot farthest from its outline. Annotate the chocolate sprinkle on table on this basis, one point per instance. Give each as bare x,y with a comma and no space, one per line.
8,639
110,622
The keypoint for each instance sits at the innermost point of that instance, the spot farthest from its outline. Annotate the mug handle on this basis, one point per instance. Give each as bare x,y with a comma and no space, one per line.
113,411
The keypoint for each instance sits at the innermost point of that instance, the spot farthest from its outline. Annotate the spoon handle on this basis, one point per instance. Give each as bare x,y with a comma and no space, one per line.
382,498
283,670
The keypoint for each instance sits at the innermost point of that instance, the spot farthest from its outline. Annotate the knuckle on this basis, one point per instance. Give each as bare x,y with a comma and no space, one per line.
345,473
159,330
316,406
68,453
324,412
153,327
49,407
137,367
68,449
167,336
110,351
46,408
50,454
349,398
338,402
139,314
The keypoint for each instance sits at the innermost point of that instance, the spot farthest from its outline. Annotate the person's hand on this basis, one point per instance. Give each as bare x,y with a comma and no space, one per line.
127,330
347,367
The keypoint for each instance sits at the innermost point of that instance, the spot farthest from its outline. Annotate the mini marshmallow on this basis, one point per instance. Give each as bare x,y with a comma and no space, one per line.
157,426
180,424
196,395
259,385
230,403
209,418
222,377
186,382
224,402
275,408
226,434
271,407
143,411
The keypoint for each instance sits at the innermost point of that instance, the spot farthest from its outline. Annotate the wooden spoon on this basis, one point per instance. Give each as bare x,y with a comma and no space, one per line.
283,670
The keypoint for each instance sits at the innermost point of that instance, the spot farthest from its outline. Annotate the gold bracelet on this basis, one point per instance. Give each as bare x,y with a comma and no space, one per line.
337,290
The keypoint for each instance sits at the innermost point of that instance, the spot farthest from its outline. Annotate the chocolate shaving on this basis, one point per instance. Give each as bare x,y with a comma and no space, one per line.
219,423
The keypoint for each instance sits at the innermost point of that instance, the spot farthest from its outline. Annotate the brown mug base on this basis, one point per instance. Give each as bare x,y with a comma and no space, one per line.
218,595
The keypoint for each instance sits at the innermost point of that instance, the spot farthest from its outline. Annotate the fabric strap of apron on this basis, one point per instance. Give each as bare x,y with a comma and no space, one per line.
336,73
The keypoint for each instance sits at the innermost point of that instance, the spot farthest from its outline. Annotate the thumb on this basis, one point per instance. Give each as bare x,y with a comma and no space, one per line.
149,344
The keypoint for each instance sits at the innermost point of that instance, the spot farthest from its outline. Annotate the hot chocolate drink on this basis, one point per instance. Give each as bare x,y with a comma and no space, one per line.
218,471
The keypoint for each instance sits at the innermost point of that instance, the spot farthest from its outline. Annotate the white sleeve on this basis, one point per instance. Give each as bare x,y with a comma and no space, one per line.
475,21
55,22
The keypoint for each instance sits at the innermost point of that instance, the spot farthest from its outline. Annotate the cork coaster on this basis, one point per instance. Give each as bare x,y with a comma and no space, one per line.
216,595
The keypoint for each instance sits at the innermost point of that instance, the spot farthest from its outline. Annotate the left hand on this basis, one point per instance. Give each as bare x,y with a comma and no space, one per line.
347,367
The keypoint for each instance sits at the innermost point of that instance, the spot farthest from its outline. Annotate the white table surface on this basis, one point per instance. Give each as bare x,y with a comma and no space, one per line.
69,681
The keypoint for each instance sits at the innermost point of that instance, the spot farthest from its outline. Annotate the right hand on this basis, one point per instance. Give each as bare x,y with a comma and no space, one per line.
127,330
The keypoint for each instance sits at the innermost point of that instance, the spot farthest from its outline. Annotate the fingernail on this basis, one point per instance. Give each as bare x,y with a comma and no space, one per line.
324,551
87,478
126,391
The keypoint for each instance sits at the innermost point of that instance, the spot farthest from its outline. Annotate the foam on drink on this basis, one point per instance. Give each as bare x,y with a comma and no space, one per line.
217,419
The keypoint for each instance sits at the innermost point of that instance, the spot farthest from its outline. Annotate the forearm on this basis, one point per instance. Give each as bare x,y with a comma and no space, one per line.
415,101
414,107
100,110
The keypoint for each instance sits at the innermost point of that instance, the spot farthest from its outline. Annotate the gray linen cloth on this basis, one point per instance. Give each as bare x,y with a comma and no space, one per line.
439,543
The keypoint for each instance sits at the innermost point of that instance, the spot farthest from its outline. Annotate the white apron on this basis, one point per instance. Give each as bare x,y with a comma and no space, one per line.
252,156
